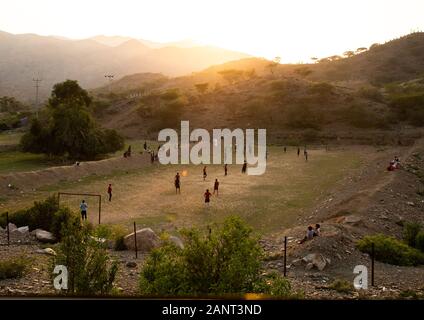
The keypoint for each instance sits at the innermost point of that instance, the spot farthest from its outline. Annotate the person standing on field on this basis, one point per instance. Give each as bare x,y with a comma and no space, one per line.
207,196
298,151
216,187
226,170
109,192
177,184
83,208
243,169
204,173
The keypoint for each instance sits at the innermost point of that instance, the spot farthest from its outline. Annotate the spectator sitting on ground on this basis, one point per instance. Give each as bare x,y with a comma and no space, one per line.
317,231
309,234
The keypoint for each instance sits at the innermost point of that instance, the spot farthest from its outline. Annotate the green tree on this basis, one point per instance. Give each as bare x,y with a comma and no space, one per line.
68,127
227,260
69,93
90,270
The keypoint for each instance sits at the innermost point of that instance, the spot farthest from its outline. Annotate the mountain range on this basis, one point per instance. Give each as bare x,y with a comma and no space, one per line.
24,57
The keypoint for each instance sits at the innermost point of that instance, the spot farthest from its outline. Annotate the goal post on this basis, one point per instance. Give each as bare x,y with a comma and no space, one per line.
61,194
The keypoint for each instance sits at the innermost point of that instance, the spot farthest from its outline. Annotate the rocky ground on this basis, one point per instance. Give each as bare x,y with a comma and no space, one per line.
373,201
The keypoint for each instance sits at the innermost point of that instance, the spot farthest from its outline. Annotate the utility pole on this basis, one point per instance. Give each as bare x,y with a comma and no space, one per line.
110,77
37,86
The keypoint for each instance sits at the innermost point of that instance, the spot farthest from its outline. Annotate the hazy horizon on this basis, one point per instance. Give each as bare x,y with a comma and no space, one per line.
295,31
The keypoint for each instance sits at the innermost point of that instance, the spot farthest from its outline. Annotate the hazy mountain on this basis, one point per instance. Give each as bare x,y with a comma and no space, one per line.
26,56
114,41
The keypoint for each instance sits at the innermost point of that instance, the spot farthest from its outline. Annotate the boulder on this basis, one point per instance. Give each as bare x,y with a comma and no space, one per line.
309,266
352,219
48,251
317,260
44,236
147,240
12,227
177,241
23,229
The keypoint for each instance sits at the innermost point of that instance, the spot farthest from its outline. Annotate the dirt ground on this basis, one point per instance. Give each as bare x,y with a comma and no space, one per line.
347,190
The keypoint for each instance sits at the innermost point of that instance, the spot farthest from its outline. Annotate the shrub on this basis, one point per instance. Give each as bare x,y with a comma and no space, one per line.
419,241
342,286
225,261
90,271
61,217
410,232
112,232
391,250
120,244
40,215
13,268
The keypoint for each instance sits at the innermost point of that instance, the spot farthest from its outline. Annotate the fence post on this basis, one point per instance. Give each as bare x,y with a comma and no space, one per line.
285,256
372,263
7,226
135,241
100,207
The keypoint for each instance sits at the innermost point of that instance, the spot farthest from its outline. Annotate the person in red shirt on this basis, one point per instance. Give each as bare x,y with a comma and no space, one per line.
109,192
207,196
177,183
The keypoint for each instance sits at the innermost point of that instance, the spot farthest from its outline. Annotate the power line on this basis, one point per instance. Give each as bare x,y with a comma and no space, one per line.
110,77
37,86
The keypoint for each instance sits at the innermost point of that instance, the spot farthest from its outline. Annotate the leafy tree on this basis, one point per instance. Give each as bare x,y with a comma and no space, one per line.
90,270
225,261
10,104
69,93
68,127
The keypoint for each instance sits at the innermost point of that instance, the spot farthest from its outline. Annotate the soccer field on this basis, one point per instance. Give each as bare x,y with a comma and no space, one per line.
269,202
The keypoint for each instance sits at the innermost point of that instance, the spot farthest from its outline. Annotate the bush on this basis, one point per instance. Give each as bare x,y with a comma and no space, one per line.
13,268
112,232
410,232
61,217
342,286
44,215
39,216
225,261
90,270
419,241
120,244
391,250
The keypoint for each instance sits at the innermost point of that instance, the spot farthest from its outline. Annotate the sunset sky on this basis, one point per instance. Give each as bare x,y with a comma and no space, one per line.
294,30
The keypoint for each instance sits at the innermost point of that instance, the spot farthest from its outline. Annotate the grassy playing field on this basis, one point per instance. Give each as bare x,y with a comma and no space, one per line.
269,202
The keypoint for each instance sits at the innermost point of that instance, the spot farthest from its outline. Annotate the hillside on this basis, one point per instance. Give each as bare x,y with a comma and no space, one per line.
351,99
397,60
26,56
